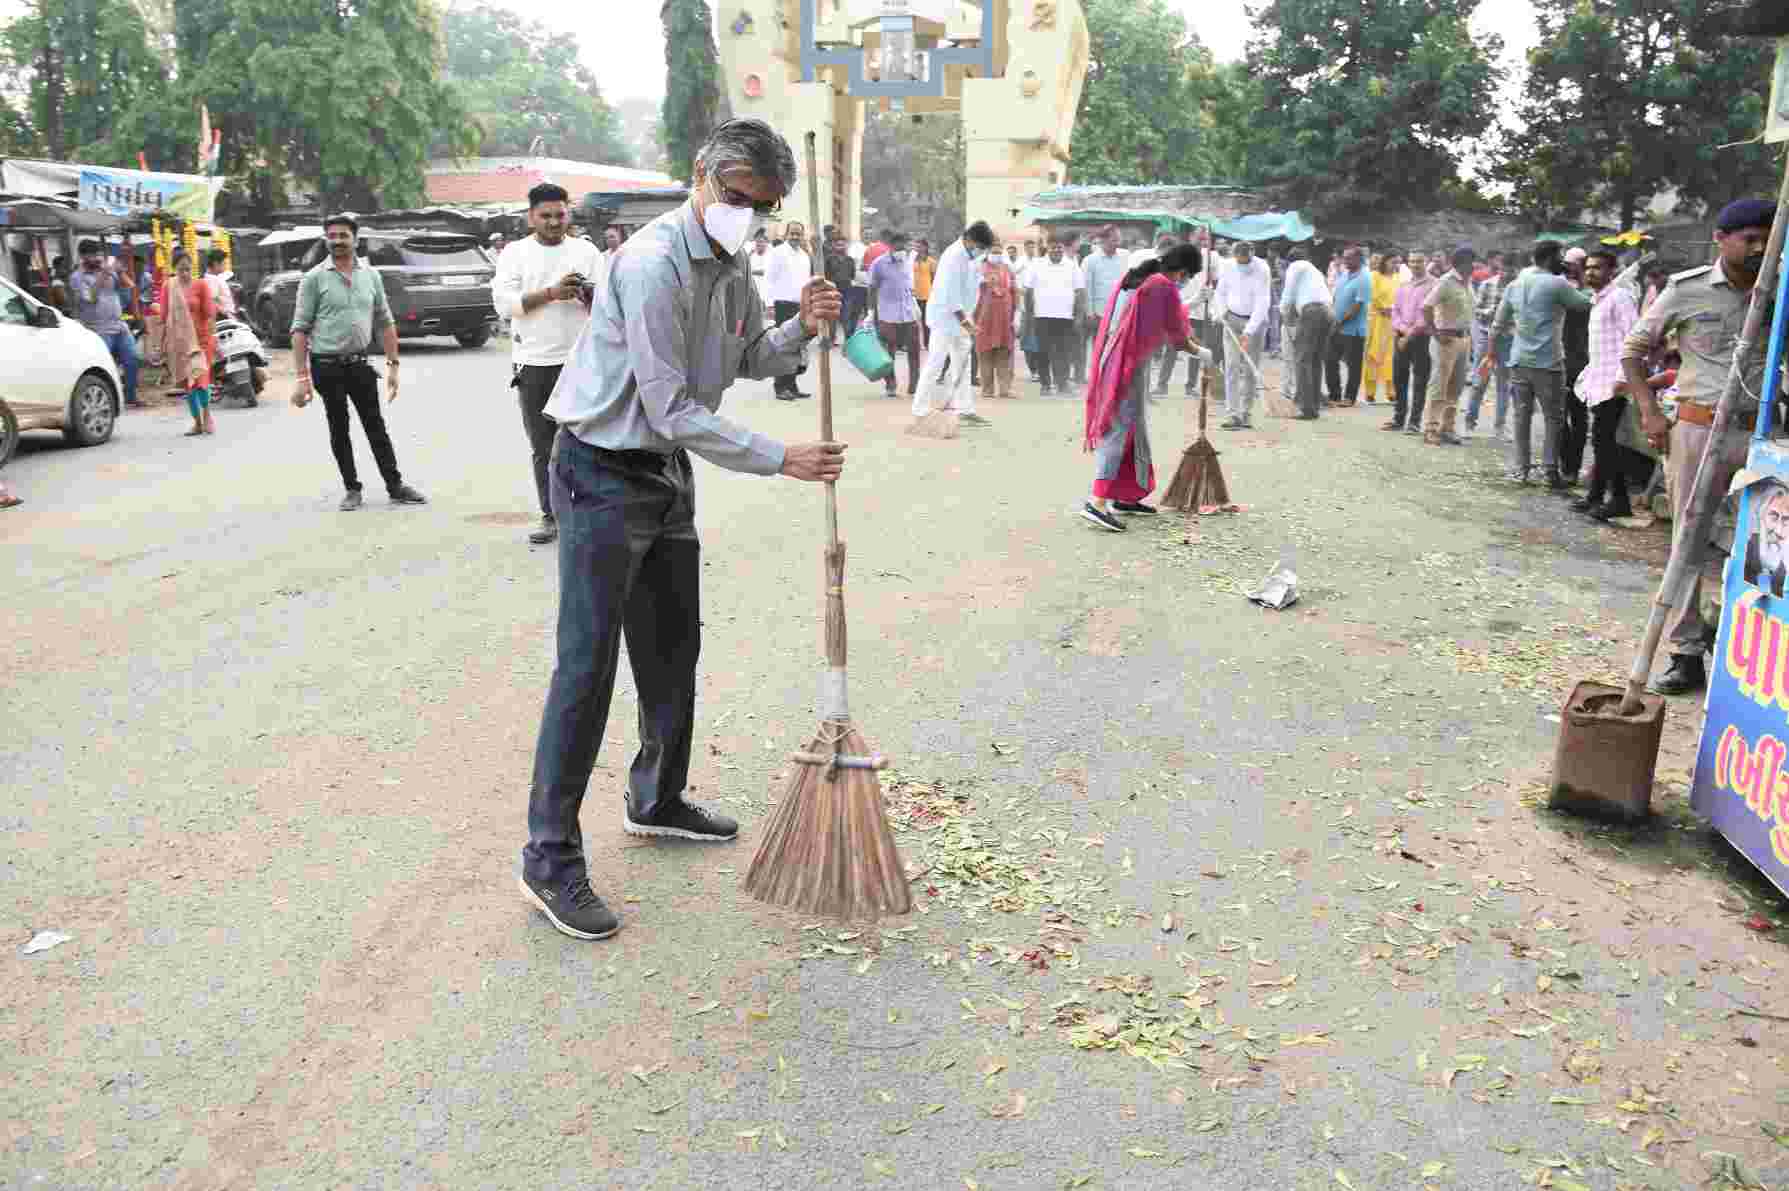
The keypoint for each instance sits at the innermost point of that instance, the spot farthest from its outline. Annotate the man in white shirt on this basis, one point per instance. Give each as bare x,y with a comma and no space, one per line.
1305,311
949,314
785,272
538,287
1054,299
1244,292
760,262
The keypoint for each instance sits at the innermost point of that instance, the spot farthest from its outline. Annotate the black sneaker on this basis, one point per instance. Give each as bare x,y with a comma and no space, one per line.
573,907
683,820
1101,518
1133,506
785,396
1686,676
546,532
351,501
403,494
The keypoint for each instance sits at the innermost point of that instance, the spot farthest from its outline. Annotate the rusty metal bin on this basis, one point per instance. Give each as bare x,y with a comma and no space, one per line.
1605,761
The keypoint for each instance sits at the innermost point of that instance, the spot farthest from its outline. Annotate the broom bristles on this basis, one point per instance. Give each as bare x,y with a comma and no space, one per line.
940,423
828,848
1198,481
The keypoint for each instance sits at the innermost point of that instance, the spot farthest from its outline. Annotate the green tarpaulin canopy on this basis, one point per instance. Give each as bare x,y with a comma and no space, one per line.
1273,225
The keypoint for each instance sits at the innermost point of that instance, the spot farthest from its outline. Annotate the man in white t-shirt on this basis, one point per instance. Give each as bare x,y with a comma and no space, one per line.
787,268
540,287
1054,295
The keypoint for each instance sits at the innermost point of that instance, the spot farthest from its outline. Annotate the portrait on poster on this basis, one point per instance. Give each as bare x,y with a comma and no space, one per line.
1767,548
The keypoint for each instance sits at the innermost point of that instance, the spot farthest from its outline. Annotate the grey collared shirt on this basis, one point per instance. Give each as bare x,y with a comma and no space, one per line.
670,329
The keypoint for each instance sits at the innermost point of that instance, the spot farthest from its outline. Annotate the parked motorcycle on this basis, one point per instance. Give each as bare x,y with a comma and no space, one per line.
241,361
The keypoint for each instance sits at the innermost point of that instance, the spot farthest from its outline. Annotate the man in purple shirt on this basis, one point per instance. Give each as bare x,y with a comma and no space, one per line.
895,309
1411,366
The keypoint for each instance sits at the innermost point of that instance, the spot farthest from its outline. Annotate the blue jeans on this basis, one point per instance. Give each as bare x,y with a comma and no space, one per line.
124,353
629,565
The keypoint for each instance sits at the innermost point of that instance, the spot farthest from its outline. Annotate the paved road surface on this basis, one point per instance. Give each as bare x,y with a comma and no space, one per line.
267,766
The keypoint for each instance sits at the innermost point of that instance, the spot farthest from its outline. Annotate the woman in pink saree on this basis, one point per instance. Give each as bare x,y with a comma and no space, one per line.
1144,313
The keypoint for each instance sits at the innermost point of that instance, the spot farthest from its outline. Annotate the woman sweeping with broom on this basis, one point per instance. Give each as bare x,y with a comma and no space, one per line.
1145,312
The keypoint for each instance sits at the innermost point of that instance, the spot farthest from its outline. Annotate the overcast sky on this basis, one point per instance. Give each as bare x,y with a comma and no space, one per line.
626,49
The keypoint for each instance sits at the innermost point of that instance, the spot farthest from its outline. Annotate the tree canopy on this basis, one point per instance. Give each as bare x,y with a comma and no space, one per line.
1627,100
693,100
1367,103
346,100
520,81
1142,112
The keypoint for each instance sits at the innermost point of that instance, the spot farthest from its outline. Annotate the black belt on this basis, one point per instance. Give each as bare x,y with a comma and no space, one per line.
1244,317
634,458
341,358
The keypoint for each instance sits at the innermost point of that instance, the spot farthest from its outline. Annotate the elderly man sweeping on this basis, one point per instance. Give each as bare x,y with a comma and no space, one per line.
676,321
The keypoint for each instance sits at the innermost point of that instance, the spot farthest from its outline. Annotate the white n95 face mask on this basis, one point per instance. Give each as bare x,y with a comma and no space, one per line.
730,227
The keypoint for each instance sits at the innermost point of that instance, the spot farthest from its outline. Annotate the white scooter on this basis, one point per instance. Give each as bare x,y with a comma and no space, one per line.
241,362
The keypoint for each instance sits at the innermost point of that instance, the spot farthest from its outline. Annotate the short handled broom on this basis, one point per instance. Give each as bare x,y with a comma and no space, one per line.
828,848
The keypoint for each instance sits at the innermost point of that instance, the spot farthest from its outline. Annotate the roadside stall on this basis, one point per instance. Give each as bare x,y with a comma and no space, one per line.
1742,765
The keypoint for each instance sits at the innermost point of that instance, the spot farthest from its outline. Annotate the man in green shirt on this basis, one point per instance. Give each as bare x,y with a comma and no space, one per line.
341,304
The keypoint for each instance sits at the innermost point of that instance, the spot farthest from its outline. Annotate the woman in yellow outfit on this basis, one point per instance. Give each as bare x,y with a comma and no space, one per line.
923,268
1376,367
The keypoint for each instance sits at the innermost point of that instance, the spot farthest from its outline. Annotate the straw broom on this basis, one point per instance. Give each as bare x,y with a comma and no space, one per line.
1199,480
828,848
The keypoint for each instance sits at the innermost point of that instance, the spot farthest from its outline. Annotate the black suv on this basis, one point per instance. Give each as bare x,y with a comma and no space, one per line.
438,283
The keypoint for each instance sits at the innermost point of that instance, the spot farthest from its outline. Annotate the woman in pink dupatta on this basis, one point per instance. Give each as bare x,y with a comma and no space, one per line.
1144,313
183,341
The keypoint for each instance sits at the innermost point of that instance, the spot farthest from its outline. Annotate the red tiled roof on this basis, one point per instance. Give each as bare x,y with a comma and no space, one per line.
512,186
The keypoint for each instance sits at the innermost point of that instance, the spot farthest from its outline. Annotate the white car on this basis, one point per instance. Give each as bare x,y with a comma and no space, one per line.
54,372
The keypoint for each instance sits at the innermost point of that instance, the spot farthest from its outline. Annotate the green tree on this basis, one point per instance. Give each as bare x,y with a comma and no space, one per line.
914,172
1366,102
86,71
1627,99
693,100
345,99
1140,119
520,81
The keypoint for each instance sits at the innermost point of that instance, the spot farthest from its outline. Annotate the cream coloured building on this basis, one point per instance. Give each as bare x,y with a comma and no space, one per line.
1013,69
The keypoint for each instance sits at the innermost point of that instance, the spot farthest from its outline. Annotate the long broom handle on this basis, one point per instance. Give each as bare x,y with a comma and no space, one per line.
835,549
1693,533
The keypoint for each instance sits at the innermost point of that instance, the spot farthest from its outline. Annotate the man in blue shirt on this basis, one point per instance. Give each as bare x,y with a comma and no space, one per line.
1534,307
1353,291
99,293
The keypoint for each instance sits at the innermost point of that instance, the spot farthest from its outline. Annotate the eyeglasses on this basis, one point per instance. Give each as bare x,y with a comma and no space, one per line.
734,198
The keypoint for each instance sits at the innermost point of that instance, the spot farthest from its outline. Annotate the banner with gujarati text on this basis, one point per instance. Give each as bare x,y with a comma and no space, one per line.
136,192
1742,766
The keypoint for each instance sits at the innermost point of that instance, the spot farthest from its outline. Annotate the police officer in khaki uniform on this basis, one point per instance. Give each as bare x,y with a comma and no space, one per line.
1706,309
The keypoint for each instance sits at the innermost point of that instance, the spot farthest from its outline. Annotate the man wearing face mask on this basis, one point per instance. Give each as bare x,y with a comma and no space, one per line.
1706,309
954,292
673,325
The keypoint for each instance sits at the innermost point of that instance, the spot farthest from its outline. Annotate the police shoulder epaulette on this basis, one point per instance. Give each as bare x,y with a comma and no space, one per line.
1687,274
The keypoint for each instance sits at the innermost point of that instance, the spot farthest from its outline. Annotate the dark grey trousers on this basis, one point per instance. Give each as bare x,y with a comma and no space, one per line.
534,384
629,565
1310,346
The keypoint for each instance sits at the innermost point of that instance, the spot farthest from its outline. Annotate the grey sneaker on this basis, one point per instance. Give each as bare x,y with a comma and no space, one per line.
351,501
974,420
1102,518
573,907
545,532
403,494
682,820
